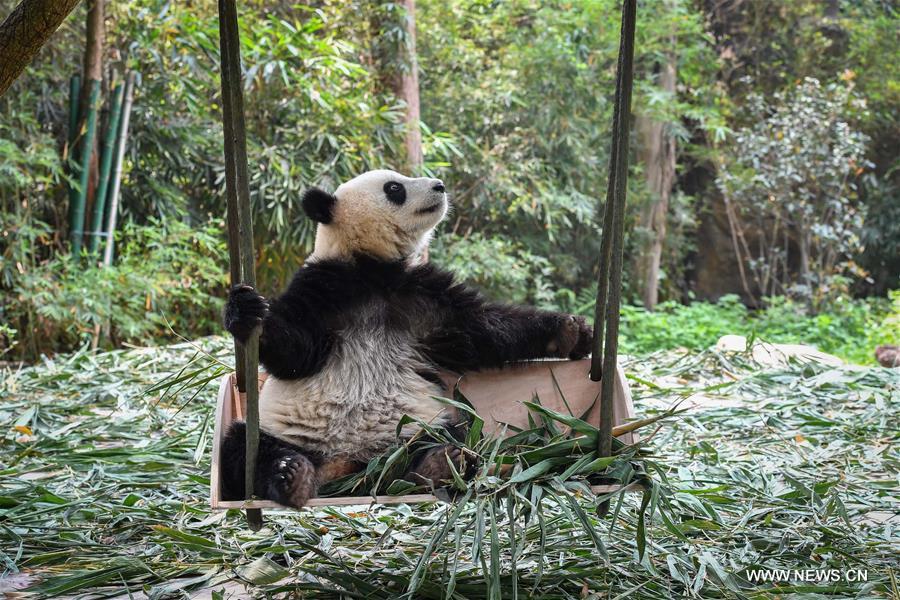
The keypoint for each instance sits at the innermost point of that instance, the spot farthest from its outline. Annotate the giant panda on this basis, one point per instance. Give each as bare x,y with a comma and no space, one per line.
359,336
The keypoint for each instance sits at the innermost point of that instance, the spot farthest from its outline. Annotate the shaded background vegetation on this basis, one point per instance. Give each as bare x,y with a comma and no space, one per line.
516,106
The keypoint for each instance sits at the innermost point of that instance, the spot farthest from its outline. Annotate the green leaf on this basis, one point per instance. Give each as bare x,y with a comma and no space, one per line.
574,423
537,470
262,571
188,538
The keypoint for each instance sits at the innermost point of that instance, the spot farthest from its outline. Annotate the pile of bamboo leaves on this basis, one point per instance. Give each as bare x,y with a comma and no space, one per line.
104,492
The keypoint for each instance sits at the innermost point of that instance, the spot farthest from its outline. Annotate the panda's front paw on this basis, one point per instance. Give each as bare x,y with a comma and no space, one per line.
585,339
573,338
244,311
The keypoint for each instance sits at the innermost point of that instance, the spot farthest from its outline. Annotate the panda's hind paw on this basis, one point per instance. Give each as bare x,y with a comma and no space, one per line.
434,467
294,482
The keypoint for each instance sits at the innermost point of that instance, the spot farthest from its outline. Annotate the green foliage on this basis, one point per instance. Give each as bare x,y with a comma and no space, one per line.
873,66
315,116
516,107
500,268
29,164
529,121
672,325
524,89
772,467
850,329
162,283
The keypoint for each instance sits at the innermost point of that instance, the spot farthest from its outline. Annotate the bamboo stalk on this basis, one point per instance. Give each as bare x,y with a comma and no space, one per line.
112,207
240,228
76,210
609,286
71,161
106,160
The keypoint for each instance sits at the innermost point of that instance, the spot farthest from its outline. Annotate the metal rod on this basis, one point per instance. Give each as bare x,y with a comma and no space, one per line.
112,207
609,285
240,228
112,127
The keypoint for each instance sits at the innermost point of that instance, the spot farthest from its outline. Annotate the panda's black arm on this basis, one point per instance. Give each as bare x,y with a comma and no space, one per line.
477,334
293,342
291,345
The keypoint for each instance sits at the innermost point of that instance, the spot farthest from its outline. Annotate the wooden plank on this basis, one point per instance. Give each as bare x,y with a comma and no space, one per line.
563,386
223,418
369,500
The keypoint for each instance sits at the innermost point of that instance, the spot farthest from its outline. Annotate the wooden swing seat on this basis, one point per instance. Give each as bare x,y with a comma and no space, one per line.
495,394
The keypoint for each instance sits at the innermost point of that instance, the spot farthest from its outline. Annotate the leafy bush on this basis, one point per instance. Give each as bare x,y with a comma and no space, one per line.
672,325
163,281
850,329
790,183
502,269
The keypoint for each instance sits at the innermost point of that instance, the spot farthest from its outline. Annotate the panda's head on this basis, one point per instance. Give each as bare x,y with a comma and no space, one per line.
379,213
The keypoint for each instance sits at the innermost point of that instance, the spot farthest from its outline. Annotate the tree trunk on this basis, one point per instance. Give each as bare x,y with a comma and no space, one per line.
92,61
92,68
409,92
25,31
657,152
398,71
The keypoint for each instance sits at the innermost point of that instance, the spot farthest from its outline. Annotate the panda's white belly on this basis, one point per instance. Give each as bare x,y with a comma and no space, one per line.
353,405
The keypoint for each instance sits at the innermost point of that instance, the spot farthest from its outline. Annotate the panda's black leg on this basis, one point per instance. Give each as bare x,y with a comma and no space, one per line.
284,474
432,466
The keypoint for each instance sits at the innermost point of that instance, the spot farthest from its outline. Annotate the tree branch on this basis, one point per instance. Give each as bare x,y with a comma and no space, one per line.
25,31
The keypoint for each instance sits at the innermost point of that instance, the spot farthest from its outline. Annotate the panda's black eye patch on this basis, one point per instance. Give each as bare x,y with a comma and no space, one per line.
395,192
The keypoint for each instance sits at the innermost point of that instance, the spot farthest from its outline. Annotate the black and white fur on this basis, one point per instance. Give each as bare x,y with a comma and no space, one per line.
357,339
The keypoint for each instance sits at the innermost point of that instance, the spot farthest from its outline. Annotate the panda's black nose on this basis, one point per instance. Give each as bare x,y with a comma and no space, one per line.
438,186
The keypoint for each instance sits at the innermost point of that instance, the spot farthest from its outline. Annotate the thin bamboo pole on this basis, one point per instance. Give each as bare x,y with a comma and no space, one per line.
106,160
240,228
609,284
74,97
76,210
112,207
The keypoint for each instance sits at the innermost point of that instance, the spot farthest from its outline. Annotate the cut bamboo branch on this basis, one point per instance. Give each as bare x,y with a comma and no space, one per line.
609,285
112,207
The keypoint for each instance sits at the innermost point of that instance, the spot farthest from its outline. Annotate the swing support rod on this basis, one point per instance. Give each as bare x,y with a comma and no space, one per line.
609,282
240,229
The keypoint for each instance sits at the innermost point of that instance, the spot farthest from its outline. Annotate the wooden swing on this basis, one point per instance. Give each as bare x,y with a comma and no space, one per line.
495,394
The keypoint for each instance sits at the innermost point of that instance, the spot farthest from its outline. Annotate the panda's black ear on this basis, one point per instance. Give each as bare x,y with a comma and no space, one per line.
319,205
